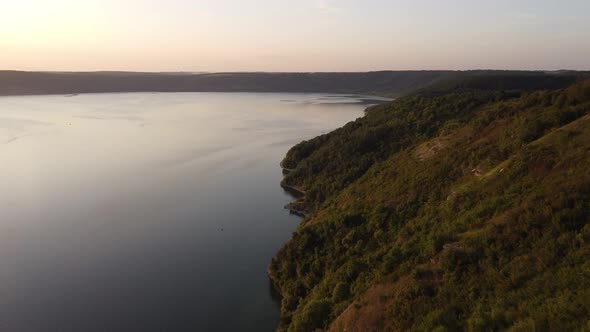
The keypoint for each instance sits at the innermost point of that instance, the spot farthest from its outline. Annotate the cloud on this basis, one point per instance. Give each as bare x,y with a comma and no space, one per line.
326,6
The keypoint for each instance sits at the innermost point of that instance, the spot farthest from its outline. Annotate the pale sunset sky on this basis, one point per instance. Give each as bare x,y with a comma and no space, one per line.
293,35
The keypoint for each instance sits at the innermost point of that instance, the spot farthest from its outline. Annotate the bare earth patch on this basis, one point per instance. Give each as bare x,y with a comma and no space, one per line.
428,150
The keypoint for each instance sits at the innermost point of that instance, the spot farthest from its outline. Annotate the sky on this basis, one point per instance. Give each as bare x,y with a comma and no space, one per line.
293,35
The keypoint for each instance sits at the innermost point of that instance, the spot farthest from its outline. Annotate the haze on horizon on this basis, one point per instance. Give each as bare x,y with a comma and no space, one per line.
287,35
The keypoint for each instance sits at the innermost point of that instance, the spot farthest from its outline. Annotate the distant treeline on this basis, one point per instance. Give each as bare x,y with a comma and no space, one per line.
383,83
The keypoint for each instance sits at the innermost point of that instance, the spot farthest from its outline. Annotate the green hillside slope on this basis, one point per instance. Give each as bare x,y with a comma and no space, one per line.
461,207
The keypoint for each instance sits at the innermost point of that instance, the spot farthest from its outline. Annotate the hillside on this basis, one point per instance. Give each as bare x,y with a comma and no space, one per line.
382,83
464,206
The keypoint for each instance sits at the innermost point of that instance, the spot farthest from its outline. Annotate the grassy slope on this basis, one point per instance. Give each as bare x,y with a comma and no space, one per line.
462,209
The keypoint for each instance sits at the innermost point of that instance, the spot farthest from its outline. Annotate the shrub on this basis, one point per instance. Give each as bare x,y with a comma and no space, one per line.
313,316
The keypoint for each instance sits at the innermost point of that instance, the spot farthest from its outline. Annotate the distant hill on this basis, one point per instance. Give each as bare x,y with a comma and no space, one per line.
464,206
506,81
382,83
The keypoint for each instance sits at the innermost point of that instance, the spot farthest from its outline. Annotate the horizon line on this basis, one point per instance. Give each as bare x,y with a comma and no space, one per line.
288,72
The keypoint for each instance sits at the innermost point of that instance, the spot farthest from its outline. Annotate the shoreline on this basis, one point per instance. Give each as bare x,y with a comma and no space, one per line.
298,193
295,207
298,206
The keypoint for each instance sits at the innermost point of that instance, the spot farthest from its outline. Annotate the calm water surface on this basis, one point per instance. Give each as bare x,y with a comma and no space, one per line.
145,211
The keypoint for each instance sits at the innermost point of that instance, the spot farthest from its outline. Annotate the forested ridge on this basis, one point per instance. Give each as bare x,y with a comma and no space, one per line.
462,206
379,83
